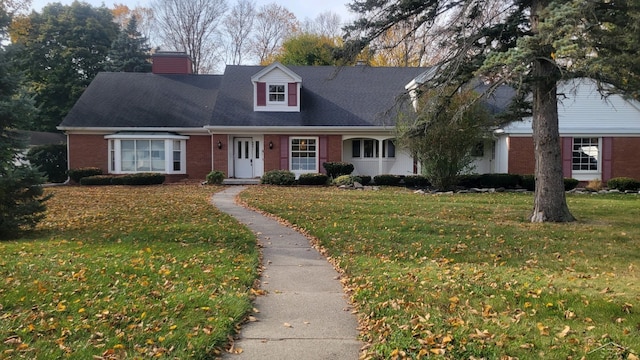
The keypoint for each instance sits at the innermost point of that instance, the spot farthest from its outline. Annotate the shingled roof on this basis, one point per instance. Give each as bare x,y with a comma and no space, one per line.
145,100
331,96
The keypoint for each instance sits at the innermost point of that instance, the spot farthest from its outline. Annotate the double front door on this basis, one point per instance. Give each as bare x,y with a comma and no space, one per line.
247,155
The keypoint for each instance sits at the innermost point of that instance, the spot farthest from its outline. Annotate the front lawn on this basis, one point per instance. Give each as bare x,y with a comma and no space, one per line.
467,277
126,272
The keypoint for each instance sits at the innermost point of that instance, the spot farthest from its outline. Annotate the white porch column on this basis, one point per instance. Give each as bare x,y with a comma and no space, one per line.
380,147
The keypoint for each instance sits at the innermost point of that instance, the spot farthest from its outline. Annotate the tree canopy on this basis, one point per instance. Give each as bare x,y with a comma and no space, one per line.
530,45
64,47
308,49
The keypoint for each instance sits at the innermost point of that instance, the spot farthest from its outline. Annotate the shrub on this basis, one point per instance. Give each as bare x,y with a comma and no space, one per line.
313,179
366,179
570,184
335,169
507,181
22,200
215,177
51,160
387,179
346,180
594,185
416,181
528,182
139,179
79,173
623,184
96,180
278,177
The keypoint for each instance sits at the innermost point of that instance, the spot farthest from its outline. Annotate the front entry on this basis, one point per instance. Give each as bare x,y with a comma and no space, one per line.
243,157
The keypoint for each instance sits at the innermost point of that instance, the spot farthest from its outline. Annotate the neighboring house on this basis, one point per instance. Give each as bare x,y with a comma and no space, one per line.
253,119
37,138
600,136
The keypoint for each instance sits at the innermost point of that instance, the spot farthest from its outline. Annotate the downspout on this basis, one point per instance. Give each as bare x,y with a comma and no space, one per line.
211,147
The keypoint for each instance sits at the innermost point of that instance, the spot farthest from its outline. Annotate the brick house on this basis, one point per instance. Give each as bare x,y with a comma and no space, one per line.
253,119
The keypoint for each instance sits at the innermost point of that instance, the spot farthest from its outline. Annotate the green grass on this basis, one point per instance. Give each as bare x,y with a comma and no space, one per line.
466,276
126,272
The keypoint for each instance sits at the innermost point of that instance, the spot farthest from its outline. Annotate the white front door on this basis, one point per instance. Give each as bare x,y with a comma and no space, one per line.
243,157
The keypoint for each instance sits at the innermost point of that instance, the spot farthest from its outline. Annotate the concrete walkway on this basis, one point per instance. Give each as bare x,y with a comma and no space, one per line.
305,314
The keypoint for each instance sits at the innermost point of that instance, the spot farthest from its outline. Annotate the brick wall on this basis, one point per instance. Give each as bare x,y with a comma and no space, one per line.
273,157
625,159
521,155
88,151
199,156
220,156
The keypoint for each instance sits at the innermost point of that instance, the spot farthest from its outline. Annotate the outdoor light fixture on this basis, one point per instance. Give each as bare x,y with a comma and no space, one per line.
270,144
219,144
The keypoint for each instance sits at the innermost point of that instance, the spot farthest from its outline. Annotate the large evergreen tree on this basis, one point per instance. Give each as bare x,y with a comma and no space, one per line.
21,200
528,44
130,51
64,49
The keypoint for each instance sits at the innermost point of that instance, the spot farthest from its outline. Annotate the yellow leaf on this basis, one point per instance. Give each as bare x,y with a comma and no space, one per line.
564,332
61,307
544,330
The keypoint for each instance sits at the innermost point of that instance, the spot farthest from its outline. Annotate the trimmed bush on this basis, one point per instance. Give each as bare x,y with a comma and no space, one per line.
623,184
469,181
96,180
79,173
570,184
51,160
215,177
366,179
507,181
387,179
338,168
313,179
346,180
139,179
416,181
528,182
278,177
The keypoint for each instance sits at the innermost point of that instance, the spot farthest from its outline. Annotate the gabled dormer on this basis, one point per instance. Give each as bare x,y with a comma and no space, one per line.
276,88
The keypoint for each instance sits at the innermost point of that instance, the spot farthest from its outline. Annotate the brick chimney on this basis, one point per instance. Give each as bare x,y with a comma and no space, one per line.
171,62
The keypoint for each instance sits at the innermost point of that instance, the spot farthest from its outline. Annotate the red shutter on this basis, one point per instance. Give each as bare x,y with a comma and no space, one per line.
293,94
324,152
567,156
261,88
607,155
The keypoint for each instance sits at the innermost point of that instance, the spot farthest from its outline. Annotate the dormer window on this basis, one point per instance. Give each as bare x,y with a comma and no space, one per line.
277,93
276,88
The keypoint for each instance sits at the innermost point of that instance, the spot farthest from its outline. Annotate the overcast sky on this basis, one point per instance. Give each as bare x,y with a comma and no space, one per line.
301,8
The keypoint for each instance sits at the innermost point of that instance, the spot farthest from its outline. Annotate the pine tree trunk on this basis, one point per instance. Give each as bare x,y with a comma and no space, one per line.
550,203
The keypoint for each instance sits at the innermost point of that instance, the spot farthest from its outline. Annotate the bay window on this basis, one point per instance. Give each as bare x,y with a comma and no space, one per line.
142,152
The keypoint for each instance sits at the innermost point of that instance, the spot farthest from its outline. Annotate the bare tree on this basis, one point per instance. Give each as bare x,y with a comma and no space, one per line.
237,27
274,24
192,26
328,24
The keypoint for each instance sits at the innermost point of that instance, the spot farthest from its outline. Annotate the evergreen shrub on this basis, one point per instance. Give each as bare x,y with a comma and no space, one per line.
313,179
387,179
278,177
416,181
139,179
215,177
338,168
623,184
97,180
347,180
50,159
79,173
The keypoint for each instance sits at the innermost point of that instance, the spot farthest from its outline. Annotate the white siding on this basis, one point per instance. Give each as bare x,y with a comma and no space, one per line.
276,76
583,111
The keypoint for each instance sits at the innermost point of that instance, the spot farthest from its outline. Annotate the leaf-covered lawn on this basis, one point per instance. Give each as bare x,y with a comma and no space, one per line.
126,272
467,277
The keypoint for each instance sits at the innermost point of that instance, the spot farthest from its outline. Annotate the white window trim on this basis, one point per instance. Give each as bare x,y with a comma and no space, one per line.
115,166
376,149
285,93
298,172
587,175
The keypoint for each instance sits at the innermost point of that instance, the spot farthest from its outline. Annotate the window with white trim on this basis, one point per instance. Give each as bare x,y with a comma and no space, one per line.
586,154
277,93
134,153
369,148
304,155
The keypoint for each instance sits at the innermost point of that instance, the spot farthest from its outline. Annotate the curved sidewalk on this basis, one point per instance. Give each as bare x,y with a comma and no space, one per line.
304,314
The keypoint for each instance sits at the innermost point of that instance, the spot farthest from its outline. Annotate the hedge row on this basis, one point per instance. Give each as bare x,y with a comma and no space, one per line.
131,179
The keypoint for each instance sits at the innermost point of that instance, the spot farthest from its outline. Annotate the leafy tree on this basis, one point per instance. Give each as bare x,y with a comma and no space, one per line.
442,141
21,200
192,26
64,49
307,49
528,44
129,52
